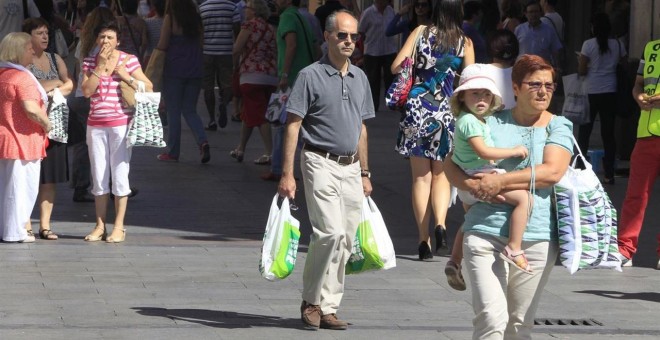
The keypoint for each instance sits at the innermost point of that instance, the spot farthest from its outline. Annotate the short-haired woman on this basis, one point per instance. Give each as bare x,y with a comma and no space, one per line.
23,128
107,126
51,72
505,299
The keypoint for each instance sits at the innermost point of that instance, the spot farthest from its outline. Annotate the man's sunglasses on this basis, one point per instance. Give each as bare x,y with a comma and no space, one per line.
344,35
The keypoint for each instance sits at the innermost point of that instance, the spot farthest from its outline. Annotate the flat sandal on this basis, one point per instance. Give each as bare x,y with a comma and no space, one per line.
47,234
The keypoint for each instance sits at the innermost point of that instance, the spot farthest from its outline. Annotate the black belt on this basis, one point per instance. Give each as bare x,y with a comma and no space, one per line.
341,160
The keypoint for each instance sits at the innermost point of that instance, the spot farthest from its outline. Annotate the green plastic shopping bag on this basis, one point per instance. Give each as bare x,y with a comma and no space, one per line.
280,244
372,247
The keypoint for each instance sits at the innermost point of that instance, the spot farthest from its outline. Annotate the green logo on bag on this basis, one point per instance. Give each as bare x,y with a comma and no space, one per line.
286,254
365,255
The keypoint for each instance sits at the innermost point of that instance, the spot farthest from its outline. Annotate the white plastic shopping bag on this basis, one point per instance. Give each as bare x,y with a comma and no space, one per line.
576,99
280,244
372,246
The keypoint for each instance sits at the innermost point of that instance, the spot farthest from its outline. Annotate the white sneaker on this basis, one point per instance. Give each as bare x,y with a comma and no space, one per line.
657,266
626,262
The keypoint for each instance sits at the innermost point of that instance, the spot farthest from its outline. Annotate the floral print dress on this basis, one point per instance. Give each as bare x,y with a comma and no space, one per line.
427,127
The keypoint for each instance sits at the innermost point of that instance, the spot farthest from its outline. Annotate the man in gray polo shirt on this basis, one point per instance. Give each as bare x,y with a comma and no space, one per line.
329,101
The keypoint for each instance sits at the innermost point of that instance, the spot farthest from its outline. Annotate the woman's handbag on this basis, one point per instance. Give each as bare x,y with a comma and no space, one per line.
372,246
586,219
145,129
397,93
58,115
280,245
154,69
576,99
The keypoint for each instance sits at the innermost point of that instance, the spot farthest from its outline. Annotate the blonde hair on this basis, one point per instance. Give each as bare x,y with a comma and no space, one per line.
13,45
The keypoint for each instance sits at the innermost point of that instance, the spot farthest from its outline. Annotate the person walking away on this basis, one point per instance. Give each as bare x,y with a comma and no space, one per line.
221,22
181,38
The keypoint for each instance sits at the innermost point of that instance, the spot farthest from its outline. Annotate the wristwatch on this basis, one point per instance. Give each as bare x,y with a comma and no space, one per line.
284,75
365,173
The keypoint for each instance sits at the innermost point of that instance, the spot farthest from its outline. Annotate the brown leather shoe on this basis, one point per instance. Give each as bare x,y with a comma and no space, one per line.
330,321
310,315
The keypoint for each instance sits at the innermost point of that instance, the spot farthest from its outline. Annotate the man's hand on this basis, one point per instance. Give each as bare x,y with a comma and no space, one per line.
283,84
287,187
366,186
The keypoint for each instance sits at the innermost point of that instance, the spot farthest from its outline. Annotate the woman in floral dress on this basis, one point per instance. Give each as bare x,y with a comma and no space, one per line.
426,128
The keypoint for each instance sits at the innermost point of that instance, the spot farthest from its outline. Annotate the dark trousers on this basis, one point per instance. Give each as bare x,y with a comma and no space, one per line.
603,105
377,68
80,167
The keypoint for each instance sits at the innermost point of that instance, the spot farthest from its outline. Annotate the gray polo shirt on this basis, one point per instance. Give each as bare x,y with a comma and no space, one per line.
332,107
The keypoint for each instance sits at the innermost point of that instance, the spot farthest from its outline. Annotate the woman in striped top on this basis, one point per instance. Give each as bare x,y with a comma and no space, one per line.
107,126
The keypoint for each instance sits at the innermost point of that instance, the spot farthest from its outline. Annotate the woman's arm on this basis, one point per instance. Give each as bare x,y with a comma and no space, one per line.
548,173
398,23
37,113
67,83
406,50
457,176
583,61
468,54
239,45
165,32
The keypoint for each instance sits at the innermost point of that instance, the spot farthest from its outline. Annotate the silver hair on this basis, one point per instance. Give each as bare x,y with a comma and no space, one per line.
331,21
260,8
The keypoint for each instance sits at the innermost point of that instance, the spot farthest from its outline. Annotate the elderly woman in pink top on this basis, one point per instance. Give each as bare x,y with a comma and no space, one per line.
107,127
23,128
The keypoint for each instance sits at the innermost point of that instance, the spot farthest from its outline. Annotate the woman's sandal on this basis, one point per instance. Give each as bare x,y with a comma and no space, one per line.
47,234
263,160
111,239
517,258
238,155
454,276
92,237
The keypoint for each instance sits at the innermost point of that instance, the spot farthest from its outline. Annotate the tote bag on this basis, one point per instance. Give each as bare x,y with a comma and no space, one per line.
58,115
586,220
280,243
276,110
145,129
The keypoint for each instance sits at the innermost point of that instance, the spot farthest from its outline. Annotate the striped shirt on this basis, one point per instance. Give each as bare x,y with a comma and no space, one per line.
105,107
219,18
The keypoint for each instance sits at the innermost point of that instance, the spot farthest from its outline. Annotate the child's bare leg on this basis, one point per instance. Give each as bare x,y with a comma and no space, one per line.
457,248
521,201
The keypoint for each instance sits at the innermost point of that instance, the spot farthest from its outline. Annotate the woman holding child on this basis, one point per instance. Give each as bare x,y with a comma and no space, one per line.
505,299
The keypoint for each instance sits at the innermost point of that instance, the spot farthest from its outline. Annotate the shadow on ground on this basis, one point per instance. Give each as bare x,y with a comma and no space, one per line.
220,319
644,296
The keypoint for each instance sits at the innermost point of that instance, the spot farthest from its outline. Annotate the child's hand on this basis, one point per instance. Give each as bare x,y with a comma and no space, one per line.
520,151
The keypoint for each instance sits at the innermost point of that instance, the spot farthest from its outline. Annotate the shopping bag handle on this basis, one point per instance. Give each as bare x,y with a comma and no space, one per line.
141,87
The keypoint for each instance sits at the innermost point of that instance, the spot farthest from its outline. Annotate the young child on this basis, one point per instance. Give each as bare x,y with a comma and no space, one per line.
477,97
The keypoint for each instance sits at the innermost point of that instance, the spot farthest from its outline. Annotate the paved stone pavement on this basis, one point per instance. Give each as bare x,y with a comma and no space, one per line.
188,268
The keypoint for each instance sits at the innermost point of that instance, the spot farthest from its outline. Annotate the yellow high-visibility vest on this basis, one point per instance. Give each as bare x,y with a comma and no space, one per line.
649,121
